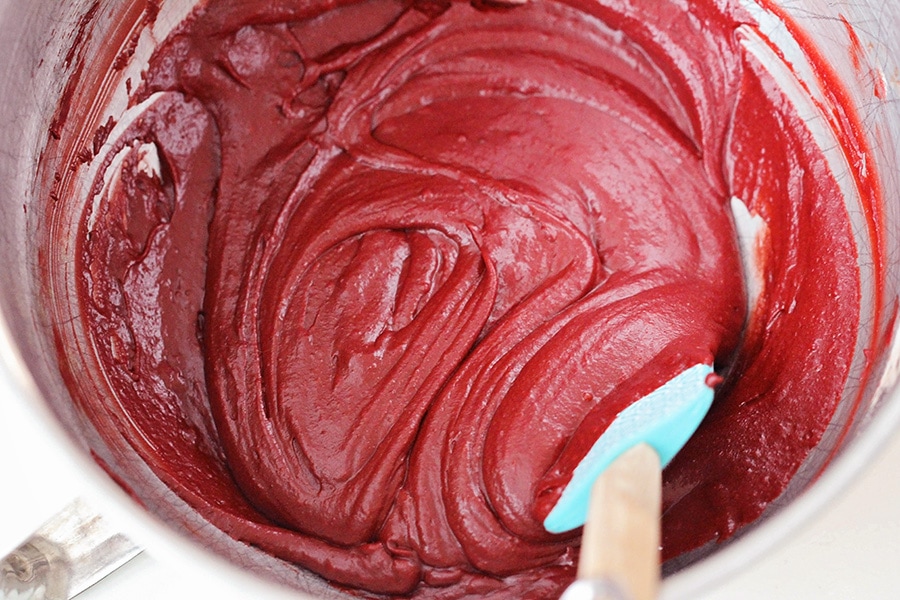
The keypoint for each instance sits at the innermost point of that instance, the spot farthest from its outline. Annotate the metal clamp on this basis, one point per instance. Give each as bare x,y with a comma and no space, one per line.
67,555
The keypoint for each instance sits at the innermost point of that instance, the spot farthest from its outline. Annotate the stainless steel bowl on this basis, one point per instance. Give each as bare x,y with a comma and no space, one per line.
860,40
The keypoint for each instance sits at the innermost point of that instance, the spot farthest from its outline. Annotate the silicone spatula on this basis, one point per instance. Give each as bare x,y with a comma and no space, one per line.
615,490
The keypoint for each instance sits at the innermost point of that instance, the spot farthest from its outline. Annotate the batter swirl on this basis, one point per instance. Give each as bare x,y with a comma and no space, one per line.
368,279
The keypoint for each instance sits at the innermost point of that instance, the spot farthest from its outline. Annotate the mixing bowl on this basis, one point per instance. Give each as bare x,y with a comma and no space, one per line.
47,44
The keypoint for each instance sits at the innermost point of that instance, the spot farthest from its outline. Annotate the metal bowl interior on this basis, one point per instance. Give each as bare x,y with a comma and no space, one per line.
37,38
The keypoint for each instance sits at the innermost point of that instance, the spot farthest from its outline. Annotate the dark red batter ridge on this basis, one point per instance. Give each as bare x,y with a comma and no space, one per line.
401,263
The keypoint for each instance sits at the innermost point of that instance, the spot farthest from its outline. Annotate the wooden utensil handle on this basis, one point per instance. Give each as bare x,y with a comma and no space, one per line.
620,544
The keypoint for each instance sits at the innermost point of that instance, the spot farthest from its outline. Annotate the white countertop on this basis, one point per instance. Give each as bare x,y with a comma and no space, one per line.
851,551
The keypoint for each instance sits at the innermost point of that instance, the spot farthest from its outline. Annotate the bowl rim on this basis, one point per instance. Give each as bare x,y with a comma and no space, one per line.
18,385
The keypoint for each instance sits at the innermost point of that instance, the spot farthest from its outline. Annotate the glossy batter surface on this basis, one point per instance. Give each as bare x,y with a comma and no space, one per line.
368,279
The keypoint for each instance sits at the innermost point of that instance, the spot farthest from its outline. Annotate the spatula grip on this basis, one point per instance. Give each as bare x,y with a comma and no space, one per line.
620,544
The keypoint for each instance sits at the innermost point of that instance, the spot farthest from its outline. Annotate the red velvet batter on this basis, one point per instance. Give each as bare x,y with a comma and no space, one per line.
402,263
